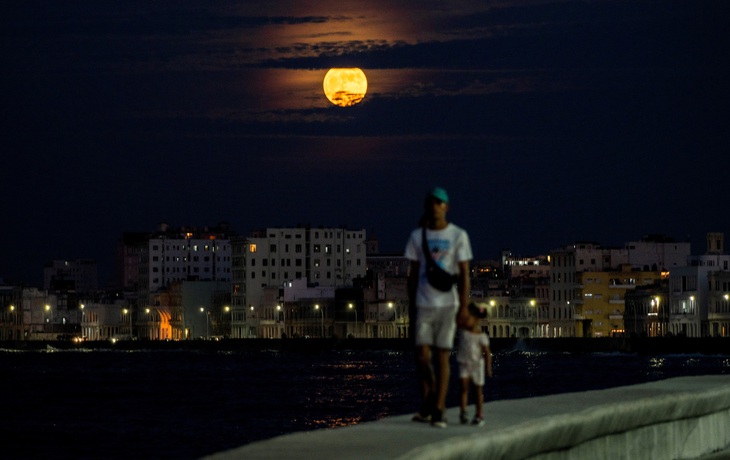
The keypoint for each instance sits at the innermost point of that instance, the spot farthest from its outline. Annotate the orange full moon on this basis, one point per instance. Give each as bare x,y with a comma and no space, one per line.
345,87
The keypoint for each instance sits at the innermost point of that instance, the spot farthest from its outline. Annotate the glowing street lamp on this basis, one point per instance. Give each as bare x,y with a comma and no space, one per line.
46,316
321,311
83,316
352,307
390,307
207,323
128,312
281,317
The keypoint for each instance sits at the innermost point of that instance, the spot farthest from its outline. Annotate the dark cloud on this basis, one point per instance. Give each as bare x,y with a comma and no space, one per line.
548,122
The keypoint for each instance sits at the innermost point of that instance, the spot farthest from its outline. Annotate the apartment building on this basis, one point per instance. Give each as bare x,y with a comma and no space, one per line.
692,291
151,261
324,257
81,274
601,298
718,299
651,254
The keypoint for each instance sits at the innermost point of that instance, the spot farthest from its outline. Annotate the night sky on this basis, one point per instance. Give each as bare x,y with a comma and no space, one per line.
547,122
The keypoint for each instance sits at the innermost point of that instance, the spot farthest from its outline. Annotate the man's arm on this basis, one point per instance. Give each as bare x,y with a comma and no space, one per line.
463,286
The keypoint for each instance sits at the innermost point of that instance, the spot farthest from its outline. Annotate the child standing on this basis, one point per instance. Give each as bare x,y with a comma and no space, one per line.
474,356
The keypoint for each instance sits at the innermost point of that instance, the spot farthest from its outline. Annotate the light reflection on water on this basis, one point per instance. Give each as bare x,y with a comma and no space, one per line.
192,403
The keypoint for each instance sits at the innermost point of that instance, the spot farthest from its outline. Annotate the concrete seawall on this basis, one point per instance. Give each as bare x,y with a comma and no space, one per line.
679,418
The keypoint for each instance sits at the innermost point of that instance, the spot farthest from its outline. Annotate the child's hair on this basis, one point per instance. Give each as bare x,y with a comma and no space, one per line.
476,311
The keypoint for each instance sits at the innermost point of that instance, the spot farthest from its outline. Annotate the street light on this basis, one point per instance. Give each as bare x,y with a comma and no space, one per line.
281,317
321,311
390,307
352,307
207,323
395,318
83,314
125,313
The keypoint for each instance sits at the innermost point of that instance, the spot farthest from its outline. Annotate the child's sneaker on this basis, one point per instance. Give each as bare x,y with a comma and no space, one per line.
438,419
463,418
478,421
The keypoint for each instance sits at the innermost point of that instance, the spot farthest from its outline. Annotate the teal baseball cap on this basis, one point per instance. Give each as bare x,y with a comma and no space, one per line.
440,194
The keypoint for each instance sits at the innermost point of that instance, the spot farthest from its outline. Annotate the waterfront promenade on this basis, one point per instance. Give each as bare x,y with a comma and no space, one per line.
677,418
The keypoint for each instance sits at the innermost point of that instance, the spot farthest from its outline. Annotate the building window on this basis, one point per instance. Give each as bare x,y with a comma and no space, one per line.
252,247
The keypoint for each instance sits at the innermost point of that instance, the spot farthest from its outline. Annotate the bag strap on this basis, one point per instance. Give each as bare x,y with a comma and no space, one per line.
424,245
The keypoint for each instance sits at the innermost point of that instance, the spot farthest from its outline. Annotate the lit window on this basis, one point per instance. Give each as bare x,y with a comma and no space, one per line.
252,247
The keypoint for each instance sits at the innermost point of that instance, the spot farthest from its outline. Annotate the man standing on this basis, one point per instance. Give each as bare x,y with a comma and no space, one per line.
447,246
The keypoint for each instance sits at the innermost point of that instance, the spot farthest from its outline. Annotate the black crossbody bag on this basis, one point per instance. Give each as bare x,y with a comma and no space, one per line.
437,276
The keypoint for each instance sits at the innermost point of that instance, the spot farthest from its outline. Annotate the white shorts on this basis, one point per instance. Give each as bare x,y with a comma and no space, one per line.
436,326
472,370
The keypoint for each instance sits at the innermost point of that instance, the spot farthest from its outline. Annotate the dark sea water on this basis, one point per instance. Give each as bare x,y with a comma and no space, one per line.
187,404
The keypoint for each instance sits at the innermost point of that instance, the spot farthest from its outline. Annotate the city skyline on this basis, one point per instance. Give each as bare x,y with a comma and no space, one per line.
547,122
107,279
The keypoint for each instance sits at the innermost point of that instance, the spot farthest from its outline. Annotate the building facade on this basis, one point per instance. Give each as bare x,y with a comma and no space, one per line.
82,273
269,258
600,300
690,289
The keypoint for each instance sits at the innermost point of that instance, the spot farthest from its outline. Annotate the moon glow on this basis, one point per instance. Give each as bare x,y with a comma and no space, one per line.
345,87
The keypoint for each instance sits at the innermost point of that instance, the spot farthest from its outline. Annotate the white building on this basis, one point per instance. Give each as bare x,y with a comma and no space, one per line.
689,289
657,253
185,258
324,257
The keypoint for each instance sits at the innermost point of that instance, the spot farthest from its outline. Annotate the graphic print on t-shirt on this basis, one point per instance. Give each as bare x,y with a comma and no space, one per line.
439,248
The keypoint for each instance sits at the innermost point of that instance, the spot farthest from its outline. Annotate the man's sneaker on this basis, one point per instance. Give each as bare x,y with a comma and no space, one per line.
478,421
438,419
419,417
463,418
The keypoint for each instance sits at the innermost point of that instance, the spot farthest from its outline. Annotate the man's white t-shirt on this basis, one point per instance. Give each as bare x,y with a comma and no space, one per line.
449,246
